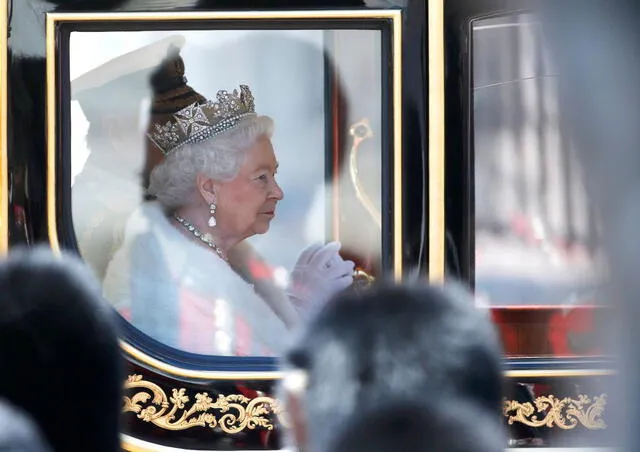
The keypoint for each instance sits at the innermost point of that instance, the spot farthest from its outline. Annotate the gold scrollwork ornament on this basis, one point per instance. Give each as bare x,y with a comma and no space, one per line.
229,413
566,413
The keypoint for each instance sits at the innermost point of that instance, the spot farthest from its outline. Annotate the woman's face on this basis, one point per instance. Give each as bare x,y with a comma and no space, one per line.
246,205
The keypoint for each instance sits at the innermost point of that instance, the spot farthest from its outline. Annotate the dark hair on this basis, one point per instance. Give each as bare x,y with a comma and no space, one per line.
171,93
59,352
396,341
429,425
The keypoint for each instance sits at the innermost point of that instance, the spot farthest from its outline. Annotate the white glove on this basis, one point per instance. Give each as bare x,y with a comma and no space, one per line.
319,273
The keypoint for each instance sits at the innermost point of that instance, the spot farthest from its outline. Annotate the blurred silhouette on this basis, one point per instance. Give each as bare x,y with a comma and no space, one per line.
109,187
59,351
431,425
595,49
388,342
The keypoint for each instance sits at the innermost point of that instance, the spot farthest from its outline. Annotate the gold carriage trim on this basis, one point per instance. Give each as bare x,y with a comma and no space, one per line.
229,413
566,413
235,413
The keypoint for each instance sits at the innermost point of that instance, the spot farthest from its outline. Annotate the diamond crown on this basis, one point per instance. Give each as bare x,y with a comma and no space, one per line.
198,122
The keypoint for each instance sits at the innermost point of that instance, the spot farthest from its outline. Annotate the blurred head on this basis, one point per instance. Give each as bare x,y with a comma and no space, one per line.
364,349
235,167
113,113
59,351
429,425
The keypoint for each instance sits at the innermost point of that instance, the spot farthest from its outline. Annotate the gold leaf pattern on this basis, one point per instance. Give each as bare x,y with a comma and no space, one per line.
231,413
235,412
565,413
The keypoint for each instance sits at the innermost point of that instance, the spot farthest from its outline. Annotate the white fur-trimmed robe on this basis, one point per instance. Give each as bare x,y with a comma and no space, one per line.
185,296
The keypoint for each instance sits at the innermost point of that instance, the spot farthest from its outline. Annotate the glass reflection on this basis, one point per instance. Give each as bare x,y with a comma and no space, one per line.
203,190
536,233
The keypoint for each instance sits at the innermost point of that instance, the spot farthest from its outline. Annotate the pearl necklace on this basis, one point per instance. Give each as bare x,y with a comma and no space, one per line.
203,237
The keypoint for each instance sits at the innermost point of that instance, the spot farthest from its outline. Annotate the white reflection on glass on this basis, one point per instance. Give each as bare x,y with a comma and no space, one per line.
535,231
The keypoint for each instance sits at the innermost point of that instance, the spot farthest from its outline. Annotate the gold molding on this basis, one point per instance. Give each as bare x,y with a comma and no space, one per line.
390,14
161,366
565,413
4,108
52,226
53,19
232,413
436,120
276,375
397,144
559,373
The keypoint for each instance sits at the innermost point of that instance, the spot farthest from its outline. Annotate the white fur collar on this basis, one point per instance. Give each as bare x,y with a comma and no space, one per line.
158,255
150,218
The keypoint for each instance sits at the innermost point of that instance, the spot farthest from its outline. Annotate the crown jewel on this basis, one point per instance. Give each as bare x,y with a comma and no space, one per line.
198,122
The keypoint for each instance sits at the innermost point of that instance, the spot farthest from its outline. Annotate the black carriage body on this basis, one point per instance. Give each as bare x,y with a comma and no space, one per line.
424,118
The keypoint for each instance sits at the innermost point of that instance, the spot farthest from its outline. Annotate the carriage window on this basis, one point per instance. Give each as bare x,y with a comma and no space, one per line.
221,189
535,231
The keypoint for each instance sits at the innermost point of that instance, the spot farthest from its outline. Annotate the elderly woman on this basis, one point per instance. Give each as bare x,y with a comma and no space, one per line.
213,183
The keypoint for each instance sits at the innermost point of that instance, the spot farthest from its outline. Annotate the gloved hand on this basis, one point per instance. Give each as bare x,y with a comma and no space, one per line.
319,273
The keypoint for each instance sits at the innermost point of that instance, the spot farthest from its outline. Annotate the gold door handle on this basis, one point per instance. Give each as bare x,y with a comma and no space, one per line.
361,131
